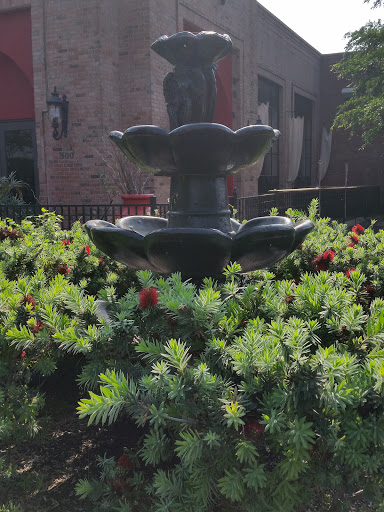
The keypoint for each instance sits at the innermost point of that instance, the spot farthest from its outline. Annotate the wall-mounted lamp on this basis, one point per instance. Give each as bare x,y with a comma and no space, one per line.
58,113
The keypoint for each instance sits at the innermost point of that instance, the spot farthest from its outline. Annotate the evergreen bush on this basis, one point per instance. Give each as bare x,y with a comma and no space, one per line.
261,392
48,281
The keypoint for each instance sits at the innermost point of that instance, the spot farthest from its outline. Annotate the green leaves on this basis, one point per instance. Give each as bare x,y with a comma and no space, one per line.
231,485
246,452
362,68
176,353
300,434
115,393
190,447
233,414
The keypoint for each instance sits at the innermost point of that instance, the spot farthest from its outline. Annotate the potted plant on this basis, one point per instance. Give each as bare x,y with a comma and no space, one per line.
124,178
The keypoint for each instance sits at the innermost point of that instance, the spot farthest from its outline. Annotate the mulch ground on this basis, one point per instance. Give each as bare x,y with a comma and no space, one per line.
43,472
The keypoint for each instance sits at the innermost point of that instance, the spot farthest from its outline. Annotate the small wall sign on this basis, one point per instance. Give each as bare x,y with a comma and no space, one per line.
66,155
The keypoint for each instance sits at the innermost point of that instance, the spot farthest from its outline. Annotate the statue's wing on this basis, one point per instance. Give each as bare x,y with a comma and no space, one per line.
172,98
178,100
211,93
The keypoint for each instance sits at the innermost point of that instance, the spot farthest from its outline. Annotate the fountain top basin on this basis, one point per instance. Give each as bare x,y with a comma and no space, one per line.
196,148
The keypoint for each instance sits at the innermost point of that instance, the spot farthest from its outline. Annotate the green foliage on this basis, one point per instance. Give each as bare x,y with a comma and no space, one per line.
362,68
10,508
46,313
261,392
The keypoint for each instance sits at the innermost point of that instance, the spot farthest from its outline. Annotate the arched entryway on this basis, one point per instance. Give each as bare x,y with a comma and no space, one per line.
17,125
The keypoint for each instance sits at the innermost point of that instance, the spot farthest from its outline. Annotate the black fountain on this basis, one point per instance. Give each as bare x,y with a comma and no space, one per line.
199,238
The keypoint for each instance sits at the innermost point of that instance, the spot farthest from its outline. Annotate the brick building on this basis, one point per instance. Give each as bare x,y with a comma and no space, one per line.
97,52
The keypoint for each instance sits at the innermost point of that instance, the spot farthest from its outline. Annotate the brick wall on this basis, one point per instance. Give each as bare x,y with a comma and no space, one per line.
97,52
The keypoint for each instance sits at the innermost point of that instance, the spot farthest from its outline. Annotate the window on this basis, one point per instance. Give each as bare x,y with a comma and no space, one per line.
269,92
303,108
18,155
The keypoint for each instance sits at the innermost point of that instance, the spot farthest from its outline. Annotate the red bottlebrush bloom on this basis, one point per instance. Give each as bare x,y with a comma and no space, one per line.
63,269
328,255
354,240
66,243
21,355
348,272
370,290
148,298
13,234
252,428
37,327
322,261
351,244
87,249
358,229
28,299
124,462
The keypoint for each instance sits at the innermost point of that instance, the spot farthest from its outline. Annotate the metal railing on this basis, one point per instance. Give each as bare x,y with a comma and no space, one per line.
336,202
339,203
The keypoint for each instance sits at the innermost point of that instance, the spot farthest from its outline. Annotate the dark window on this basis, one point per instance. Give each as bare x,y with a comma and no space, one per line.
304,107
18,155
269,92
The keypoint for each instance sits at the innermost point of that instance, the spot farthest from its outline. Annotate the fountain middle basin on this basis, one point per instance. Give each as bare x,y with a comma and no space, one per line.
199,238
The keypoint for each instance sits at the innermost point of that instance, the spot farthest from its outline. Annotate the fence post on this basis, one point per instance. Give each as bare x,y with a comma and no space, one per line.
234,199
152,200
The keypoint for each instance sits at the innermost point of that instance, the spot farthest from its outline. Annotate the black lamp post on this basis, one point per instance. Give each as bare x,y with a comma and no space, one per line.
58,113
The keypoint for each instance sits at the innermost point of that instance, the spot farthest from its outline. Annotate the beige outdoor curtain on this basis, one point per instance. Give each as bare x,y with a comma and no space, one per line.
296,134
263,113
325,154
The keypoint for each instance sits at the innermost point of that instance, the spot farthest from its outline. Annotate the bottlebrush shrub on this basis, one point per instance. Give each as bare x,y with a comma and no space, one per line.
255,394
49,279
40,244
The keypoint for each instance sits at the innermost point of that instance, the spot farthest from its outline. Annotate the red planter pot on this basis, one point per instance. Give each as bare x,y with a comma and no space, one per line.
136,204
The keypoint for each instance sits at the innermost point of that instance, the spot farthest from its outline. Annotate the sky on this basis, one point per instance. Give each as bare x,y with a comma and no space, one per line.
323,23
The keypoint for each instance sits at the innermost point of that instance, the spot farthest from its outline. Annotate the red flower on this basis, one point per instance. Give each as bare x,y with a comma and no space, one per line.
101,262
12,234
28,299
351,244
358,229
66,243
37,327
328,255
148,298
253,428
124,462
348,272
21,355
370,290
63,269
322,261
87,249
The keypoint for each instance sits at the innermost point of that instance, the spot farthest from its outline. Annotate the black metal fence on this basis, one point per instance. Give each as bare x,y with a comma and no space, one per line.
336,202
339,203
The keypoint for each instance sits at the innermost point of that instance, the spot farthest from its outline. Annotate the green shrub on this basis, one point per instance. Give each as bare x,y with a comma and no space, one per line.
49,279
268,396
264,392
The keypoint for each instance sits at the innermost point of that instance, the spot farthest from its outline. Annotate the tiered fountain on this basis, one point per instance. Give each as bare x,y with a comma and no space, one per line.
199,238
